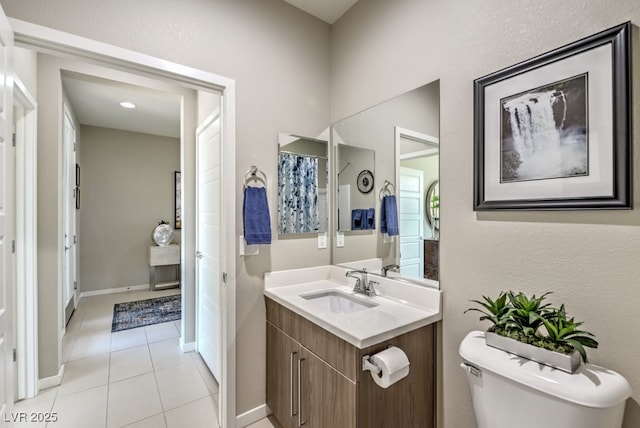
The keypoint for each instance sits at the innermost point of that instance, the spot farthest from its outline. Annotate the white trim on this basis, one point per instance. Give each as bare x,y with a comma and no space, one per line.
26,238
84,294
417,136
58,43
252,416
42,39
51,381
187,347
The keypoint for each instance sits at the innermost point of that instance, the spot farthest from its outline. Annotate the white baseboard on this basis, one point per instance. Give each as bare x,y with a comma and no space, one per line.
114,290
252,416
51,381
187,347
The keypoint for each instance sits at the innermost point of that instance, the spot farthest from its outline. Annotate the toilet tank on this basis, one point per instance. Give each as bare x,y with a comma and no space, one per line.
510,391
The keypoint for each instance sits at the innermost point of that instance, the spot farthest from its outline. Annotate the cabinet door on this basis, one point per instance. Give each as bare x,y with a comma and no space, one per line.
282,360
327,398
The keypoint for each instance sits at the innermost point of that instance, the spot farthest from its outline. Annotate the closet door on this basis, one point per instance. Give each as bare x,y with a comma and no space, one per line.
209,244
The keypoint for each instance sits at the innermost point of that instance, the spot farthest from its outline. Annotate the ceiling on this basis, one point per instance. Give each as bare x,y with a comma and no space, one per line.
327,10
95,101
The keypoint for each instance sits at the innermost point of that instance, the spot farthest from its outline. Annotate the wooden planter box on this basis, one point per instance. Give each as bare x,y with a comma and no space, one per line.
565,362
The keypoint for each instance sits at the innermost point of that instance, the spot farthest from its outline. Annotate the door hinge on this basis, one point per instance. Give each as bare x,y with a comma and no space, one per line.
75,239
15,355
13,246
75,285
13,139
74,146
224,277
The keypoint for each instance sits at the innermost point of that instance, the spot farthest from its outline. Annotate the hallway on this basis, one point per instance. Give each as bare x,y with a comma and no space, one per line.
132,378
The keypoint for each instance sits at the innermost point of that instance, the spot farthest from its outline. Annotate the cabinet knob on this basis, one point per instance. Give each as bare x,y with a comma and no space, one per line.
198,254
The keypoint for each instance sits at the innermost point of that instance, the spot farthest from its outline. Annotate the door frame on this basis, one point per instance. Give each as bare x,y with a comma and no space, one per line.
26,314
58,43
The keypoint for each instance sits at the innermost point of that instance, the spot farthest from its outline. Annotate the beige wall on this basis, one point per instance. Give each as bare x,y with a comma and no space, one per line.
589,259
127,188
279,58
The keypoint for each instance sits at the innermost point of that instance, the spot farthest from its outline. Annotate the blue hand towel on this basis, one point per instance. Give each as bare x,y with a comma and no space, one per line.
356,219
371,218
255,213
389,215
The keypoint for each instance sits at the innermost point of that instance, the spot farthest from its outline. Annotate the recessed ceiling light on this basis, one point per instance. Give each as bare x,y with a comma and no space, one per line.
127,104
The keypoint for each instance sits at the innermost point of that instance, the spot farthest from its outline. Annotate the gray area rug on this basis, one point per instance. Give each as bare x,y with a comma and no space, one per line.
145,312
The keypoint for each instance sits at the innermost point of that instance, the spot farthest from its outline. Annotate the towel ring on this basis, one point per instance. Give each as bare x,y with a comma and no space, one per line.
385,191
254,174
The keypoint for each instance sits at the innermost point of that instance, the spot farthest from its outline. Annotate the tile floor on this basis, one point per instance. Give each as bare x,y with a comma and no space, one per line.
135,378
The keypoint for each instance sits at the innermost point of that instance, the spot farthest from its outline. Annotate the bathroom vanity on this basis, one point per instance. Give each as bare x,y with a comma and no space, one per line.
315,352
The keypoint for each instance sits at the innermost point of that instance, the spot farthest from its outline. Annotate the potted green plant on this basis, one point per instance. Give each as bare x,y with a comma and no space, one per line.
533,329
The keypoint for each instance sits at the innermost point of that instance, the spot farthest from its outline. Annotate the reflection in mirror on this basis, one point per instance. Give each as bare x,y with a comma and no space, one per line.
404,134
418,155
355,181
302,185
432,207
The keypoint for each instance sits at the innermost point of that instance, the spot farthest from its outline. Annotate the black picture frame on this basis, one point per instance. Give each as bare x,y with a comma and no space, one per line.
597,138
365,181
177,189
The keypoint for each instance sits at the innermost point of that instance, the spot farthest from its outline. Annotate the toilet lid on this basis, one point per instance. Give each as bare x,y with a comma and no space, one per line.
590,385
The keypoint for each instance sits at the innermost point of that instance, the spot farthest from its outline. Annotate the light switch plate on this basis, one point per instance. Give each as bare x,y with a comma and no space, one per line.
322,240
340,239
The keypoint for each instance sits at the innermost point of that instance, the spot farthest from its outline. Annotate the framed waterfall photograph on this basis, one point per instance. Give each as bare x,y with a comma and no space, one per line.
554,132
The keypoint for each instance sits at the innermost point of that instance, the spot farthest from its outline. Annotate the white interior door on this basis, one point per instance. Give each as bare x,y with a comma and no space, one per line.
411,213
69,214
7,232
209,240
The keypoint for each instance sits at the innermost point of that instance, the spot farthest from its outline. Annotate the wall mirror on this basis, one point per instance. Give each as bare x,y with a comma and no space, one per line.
355,181
302,185
403,132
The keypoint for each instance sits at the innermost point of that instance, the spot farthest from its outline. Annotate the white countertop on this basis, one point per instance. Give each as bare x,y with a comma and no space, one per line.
400,307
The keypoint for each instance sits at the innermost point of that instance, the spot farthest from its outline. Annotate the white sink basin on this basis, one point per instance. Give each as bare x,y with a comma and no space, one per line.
324,296
337,301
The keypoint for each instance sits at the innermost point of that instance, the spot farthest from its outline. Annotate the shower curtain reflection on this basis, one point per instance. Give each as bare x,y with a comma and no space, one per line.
297,193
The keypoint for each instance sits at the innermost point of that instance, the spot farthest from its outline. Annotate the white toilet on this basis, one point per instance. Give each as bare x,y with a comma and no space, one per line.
510,391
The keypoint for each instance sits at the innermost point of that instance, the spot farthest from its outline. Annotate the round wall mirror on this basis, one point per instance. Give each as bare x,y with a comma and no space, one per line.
432,205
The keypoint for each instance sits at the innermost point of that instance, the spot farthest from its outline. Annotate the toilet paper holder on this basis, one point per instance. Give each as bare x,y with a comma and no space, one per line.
367,364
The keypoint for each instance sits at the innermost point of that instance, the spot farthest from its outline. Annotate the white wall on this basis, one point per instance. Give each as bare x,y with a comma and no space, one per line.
589,259
127,188
279,58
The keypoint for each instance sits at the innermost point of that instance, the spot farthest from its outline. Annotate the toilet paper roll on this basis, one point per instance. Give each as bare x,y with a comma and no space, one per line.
394,364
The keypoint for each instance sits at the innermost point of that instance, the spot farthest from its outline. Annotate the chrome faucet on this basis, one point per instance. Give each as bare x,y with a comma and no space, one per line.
387,268
362,285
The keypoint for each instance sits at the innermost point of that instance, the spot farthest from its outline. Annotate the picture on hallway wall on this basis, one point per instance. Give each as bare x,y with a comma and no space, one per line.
554,132
177,190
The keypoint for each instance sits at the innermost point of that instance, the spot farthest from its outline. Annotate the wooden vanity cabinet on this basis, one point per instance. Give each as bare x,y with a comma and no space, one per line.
303,390
315,379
